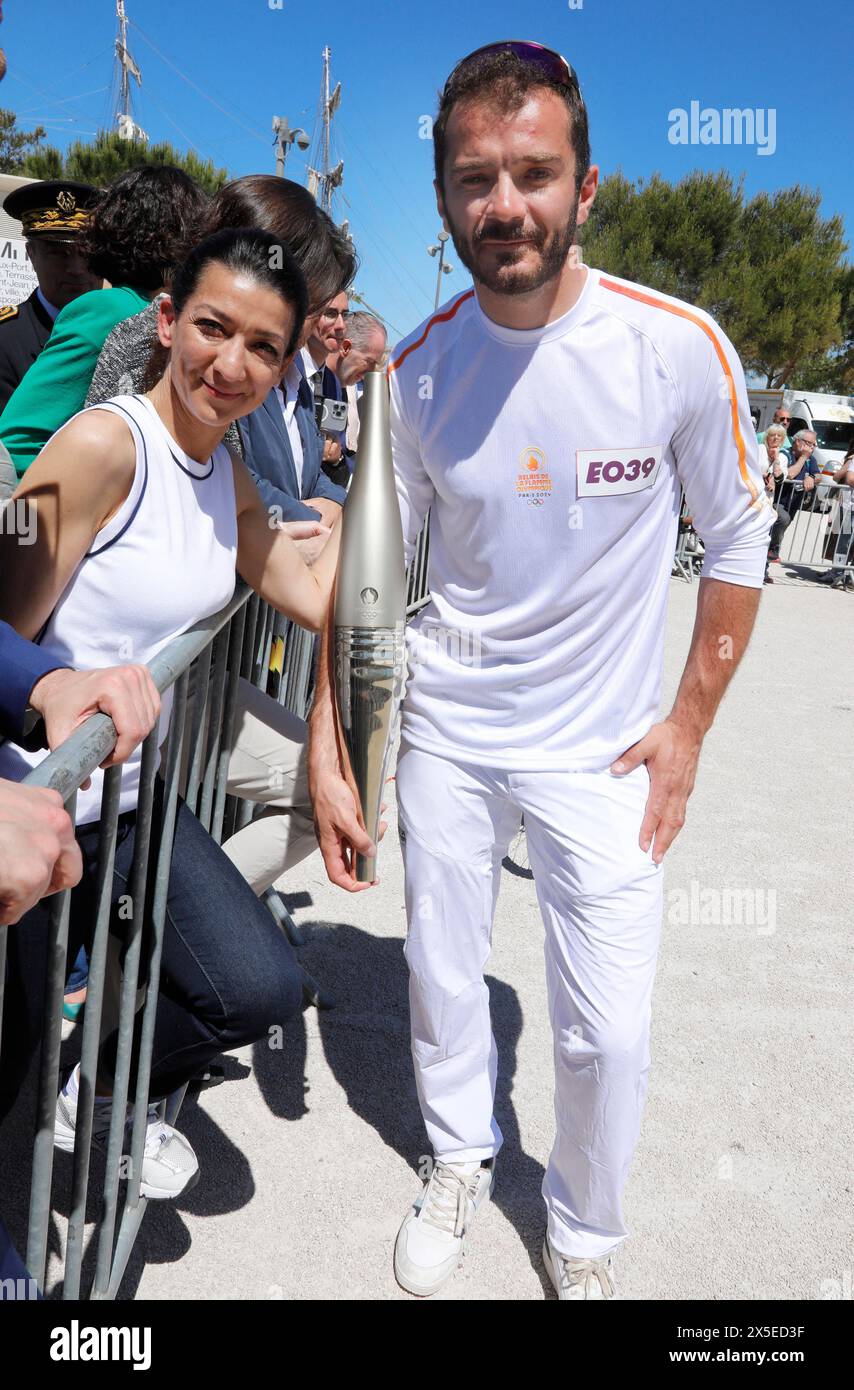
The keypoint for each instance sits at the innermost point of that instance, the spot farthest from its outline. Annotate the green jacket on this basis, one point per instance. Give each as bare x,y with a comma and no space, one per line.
56,384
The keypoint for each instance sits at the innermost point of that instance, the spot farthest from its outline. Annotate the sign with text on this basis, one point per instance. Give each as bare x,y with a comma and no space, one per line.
17,277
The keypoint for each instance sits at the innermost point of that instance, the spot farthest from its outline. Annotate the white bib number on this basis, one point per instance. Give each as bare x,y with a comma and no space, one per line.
610,472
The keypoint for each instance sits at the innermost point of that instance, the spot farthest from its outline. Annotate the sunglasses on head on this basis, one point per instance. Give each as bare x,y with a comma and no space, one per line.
553,64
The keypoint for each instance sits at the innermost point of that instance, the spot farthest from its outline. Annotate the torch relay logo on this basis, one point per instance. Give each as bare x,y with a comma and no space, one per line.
534,483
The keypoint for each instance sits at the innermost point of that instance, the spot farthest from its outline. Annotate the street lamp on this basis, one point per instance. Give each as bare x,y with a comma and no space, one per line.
284,137
445,267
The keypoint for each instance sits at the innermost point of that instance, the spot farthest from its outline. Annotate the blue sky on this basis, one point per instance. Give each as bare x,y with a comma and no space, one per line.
252,60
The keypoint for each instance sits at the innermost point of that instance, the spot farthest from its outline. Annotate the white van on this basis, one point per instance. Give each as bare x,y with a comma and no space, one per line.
832,419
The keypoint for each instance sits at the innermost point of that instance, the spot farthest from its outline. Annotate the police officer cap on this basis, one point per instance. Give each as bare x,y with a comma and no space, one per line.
55,208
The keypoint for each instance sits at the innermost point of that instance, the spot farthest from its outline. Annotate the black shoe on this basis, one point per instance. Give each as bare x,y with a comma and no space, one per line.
767,579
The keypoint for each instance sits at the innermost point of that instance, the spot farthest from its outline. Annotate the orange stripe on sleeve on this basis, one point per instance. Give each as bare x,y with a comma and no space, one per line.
755,500
437,318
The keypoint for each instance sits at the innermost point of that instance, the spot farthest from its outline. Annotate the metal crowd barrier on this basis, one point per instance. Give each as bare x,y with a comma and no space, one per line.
232,643
417,586
236,642
817,529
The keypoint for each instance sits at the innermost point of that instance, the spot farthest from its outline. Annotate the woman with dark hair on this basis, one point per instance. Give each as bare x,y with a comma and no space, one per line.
139,227
267,765
143,516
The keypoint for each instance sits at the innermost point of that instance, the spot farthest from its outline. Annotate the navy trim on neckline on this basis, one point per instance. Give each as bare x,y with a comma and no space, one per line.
90,554
198,477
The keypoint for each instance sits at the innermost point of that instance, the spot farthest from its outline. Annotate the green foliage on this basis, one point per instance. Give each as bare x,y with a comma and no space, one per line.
771,270
99,161
16,146
833,370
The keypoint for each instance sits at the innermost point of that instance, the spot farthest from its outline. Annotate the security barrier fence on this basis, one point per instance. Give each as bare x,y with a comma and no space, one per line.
235,643
812,531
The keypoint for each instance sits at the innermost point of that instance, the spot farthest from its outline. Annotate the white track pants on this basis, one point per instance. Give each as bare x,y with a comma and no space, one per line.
600,900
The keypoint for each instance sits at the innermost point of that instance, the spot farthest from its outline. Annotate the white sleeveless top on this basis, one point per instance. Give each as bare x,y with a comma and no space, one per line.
164,561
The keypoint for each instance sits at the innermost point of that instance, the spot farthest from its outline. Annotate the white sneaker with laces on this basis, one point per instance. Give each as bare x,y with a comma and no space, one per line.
169,1165
580,1278
430,1242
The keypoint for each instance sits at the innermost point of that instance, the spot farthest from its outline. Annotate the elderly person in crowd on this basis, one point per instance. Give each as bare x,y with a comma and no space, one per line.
362,351
773,462
801,470
838,577
782,416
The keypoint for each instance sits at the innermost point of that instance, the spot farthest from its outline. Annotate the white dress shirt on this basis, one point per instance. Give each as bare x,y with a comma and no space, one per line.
287,394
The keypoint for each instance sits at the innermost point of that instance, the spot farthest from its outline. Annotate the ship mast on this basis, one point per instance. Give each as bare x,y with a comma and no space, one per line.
323,181
127,126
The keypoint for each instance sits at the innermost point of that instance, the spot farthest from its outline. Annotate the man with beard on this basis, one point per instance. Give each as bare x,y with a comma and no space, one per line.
548,418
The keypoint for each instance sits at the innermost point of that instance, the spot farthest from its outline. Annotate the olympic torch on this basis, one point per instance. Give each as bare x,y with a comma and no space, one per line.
370,602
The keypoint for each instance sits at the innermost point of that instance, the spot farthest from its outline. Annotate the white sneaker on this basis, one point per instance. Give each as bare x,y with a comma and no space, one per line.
430,1241
169,1165
580,1278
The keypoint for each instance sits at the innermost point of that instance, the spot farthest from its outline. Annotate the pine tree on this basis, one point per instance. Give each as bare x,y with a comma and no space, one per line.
98,162
16,146
771,269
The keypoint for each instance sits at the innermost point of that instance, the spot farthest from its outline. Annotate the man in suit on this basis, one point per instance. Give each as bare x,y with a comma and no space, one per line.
53,215
282,447
325,333
361,351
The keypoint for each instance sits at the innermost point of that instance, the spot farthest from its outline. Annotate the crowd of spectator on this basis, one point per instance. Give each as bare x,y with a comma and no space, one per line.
792,475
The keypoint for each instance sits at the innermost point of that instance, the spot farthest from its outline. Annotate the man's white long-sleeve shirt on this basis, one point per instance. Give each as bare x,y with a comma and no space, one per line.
553,460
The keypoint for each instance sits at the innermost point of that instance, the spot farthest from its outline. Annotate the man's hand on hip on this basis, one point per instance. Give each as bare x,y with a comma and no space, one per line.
671,753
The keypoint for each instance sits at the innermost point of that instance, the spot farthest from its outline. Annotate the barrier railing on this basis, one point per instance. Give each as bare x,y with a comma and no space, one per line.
813,529
813,525
417,588
222,648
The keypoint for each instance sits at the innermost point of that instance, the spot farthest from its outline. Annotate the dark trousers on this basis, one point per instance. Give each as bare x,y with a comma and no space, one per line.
778,530
227,973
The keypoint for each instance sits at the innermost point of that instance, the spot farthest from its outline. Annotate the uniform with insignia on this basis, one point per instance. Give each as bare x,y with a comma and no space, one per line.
55,211
24,330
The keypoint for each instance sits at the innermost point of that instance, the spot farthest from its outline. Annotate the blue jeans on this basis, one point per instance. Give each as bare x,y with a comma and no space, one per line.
228,974
79,973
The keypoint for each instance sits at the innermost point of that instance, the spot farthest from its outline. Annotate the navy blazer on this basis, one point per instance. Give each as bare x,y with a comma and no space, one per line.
270,458
22,663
